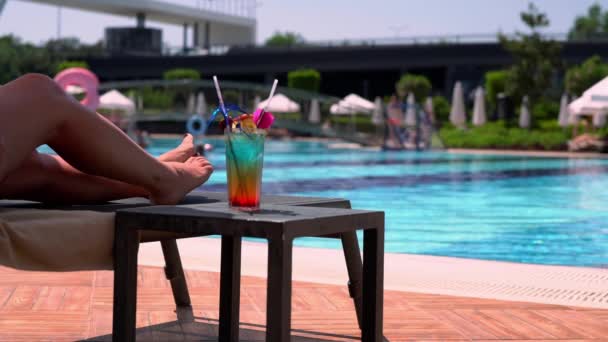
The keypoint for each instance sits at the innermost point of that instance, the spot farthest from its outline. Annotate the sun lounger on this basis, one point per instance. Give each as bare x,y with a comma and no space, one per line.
80,237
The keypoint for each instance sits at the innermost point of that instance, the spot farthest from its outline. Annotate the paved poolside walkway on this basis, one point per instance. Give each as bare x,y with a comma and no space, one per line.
72,306
573,286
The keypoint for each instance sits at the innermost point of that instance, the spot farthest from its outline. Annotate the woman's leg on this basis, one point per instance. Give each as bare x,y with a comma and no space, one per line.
35,111
50,179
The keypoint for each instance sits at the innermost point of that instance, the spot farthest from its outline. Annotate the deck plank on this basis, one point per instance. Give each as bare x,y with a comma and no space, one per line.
78,305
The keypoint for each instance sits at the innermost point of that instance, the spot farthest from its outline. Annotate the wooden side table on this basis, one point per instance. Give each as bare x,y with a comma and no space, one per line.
279,224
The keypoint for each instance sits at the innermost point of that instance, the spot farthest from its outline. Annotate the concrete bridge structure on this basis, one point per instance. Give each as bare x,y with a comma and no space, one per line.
232,23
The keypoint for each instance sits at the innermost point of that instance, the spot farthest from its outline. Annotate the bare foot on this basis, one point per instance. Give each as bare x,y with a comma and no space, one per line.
183,178
182,152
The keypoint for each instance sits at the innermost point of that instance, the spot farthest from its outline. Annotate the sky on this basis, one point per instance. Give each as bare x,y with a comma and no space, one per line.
315,19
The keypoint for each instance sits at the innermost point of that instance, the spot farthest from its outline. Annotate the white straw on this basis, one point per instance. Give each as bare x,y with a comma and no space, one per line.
274,88
219,93
222,108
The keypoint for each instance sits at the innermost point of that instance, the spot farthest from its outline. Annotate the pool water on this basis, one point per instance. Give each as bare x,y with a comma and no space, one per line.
494,207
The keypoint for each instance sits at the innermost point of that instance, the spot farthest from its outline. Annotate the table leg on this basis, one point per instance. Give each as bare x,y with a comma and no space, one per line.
230,286
175,273
278,295
354,266
373,284
126,246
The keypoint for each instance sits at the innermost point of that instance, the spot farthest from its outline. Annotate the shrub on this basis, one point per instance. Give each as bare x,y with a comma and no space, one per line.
441,107
305,79
363,123
231,96
545,109
182,74
417,84
495,83
497,135
71,64
157,98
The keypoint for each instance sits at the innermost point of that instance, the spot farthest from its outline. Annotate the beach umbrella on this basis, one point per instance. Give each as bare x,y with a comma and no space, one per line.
133,99
73,89
201,104
191,103
524,113
410,113
599,120
256,101
458,116
377,114
479,108
352,104
429,109
140,103
315,111
280,104
562,119
573,119
115,100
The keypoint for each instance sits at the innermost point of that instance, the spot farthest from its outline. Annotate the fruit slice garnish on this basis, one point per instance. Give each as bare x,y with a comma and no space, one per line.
247,123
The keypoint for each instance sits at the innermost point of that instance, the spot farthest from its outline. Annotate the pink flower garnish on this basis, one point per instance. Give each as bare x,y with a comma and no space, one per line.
264,120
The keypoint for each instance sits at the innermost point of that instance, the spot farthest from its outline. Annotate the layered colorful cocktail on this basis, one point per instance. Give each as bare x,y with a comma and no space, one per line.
244,150
244,160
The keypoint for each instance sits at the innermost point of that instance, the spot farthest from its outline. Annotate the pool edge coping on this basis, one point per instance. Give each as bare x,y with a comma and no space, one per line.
546,284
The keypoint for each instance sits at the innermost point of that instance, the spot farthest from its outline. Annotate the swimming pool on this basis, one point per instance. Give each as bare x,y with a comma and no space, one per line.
493,207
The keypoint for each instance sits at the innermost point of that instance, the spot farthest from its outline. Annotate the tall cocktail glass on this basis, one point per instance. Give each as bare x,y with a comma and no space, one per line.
244,160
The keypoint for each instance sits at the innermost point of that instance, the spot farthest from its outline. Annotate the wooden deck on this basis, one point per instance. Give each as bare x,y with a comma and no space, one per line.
75,306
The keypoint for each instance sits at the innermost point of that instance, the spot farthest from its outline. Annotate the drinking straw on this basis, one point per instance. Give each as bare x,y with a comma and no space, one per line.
222,107
274,88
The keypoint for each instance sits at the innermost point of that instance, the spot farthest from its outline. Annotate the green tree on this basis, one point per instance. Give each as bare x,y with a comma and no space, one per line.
581,77
71,64
285,39
535,58
305,79
495,83
18,58
9,59
417,84
592,25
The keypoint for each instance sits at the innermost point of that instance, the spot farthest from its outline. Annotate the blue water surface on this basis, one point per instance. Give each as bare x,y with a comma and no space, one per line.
521,209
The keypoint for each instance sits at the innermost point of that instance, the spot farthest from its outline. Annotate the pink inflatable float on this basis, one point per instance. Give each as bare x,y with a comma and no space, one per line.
84,79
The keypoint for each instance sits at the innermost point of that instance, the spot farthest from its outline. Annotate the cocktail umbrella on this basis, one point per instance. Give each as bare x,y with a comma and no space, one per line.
562,119
458,116
524,114
479,108
410,113
315,112
201,104
377,114
191,103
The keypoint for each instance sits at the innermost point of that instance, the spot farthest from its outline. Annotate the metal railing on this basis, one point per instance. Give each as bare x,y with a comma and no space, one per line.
383,41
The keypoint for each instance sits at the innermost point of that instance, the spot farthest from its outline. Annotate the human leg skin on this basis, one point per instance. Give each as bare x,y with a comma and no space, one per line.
35,111
50,179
